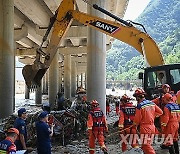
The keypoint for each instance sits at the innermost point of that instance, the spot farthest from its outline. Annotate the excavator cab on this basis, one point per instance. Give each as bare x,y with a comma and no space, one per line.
155,77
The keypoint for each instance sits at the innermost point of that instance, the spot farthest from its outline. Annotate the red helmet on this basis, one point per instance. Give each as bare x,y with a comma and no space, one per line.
125,98
166,86
13,130
94,103
139,92
168,97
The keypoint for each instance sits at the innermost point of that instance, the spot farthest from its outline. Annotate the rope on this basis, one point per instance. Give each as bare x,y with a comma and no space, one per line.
120,131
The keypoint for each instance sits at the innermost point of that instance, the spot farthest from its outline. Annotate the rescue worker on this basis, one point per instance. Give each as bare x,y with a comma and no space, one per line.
44,132
170,123
127,113
146,112
159,100
20,124
7,146
96,125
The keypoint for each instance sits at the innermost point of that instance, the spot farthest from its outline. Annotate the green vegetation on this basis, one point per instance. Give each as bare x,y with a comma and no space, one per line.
161,20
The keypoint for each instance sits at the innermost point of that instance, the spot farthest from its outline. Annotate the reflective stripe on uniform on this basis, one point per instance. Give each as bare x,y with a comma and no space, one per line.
120,125
91,149
147,105
163,124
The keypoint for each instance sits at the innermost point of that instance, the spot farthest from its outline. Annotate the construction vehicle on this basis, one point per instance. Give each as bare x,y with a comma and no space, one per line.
154,77
119,29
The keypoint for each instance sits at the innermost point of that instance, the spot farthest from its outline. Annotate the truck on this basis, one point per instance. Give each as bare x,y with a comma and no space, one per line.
119,29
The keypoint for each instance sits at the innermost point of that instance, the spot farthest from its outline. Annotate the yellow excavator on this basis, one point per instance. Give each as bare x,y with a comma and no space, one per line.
119,29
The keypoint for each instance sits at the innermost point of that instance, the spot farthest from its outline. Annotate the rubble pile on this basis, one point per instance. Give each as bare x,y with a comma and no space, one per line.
70,123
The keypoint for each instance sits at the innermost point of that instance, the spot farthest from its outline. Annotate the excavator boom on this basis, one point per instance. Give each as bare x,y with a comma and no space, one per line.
121,30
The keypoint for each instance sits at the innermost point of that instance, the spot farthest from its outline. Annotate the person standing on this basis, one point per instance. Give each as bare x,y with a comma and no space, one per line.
170,123
96,126
159,101
127,113
146,112
20,124
7,145
44,132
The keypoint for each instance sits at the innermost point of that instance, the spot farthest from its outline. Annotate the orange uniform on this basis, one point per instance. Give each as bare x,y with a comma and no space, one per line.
146,112
127,113
170,121
159,101
96,126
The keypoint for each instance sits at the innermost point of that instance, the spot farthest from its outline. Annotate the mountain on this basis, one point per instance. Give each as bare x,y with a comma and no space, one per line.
161,20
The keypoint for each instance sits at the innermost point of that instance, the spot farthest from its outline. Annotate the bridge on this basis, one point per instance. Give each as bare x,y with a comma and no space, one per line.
80,59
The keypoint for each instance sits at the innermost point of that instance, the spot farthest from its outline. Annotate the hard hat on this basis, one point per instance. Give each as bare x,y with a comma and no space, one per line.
94,103
166,86
43,114
168,97
125,98
139,92
13,130
21,111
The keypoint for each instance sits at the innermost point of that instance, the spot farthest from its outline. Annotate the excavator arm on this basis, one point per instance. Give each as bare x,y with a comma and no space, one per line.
121,30
141,41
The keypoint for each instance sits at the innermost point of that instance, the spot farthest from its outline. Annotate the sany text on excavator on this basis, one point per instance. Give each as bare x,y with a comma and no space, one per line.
119,29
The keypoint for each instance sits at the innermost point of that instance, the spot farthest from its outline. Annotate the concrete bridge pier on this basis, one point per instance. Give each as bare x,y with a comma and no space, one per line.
96,61
77,80
85,84
38,95
53,80
46,85
27,92
82,80
60,79
73,78
67,76
44,90
7,60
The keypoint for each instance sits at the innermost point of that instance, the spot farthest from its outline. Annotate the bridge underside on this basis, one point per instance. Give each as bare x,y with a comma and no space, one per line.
21,31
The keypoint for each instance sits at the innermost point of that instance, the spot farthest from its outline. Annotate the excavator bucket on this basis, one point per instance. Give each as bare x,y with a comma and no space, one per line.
33,76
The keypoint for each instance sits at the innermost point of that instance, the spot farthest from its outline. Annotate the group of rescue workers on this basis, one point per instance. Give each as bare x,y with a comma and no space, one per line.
16,138
139,119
